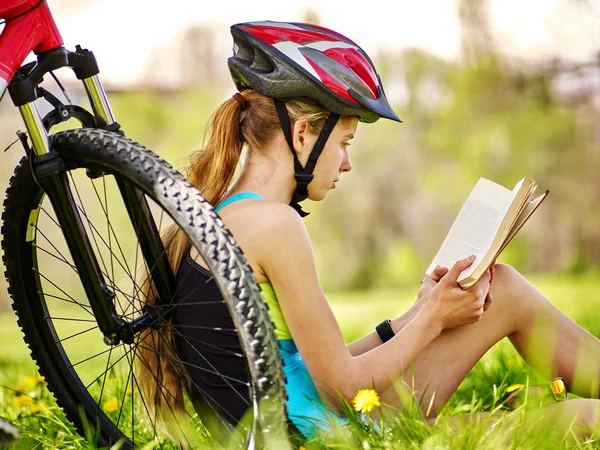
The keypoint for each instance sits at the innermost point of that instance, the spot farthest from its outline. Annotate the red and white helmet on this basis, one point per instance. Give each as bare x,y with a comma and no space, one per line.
283,60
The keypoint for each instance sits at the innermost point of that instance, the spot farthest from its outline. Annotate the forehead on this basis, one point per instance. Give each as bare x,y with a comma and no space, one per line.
346,126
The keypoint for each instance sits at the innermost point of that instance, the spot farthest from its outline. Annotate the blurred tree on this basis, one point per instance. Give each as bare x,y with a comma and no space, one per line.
476,36
310,15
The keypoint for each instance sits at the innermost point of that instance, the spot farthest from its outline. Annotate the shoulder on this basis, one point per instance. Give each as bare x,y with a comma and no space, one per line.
271,234
272,219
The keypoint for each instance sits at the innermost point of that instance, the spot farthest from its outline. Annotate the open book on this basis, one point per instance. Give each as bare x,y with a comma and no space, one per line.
488,220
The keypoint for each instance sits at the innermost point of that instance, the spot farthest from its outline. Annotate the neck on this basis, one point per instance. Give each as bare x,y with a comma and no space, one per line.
269,174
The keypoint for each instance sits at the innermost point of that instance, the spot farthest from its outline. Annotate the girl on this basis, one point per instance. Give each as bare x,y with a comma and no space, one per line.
303,89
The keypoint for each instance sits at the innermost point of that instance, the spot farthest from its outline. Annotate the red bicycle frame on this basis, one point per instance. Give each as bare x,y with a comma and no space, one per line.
30,27
33,31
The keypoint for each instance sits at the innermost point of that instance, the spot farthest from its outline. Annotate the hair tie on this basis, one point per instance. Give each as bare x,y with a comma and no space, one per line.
241,100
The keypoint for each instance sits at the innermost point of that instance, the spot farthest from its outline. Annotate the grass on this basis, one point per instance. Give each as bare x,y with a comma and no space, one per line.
43,424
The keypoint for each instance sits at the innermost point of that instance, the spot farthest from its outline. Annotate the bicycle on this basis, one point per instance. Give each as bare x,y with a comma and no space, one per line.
85,334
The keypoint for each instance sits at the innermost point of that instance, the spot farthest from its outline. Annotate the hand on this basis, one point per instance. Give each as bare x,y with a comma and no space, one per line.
428,283
450,306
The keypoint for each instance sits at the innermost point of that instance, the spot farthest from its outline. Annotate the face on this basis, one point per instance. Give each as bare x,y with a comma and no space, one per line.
334,159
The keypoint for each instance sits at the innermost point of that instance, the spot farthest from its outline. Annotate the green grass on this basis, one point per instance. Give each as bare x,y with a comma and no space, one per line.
44,425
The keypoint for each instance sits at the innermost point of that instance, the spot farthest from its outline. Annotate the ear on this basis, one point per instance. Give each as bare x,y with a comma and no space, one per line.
301,137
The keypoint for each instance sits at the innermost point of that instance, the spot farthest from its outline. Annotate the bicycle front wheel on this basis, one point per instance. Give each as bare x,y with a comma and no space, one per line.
94,382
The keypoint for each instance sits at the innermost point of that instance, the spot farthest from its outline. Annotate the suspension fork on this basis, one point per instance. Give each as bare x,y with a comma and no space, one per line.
50,173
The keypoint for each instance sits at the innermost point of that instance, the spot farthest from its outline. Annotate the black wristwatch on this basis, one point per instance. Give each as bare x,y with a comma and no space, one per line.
385,331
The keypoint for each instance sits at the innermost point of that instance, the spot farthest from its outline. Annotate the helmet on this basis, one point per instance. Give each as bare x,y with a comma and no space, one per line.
283,60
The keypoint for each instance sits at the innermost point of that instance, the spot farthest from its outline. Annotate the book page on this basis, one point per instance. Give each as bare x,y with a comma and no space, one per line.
525,214
476,224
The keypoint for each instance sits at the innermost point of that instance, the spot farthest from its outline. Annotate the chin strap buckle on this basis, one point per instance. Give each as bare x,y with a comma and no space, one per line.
303,178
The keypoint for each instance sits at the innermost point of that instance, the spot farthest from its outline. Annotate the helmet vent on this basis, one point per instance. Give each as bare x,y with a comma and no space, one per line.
262,62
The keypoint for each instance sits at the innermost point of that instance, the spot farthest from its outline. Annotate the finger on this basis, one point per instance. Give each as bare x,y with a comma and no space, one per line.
488,300
488,297
484,280
438,273
452,276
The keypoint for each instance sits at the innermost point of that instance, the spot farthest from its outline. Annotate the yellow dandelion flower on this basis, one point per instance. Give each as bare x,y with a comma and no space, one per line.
20,389
366,400
37,408
30,382
22,400
301,448
514,387
111,405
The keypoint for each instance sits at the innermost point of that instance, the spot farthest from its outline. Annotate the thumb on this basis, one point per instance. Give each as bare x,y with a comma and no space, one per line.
457,268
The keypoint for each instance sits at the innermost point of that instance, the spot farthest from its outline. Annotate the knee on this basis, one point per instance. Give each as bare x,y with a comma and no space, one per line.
511,290
506,273
504,283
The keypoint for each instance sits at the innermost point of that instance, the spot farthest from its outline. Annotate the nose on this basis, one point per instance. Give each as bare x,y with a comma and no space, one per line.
346,164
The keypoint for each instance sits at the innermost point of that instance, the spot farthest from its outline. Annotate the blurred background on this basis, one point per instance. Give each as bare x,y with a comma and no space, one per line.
496,88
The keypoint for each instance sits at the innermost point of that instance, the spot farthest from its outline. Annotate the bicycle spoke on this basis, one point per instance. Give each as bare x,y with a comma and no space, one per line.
170,306
99,402
178,333
60,258
125,394
213,372
113,256
76,334
84,307
88,221
132,404
70,366
200,389
108,368
159,386
71,319
104,273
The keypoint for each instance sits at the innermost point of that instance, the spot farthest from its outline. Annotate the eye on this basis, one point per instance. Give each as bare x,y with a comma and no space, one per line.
345,145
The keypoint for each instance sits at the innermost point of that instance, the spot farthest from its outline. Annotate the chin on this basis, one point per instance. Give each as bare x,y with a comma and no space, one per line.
317,196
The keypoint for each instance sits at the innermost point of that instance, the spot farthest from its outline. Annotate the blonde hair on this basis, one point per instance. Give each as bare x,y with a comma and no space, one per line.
161,375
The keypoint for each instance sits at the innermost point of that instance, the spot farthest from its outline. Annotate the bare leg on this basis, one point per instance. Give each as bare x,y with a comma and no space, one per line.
548,340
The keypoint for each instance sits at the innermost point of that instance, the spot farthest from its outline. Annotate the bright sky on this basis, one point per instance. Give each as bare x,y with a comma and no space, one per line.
122,33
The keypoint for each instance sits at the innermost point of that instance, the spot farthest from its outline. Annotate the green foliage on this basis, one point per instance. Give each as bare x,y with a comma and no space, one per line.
170,123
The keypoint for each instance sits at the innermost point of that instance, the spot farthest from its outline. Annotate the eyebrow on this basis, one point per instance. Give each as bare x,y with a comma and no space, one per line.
349,135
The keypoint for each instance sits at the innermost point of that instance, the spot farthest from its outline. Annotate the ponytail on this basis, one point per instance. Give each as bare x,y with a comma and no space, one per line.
211,169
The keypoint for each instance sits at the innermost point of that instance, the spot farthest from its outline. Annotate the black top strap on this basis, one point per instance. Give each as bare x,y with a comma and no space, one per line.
303,175
321,141
286,126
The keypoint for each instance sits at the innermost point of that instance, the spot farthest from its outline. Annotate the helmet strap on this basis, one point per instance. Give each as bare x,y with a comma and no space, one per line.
303,175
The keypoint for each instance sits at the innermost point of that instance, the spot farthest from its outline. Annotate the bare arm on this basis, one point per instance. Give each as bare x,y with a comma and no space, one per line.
372,340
